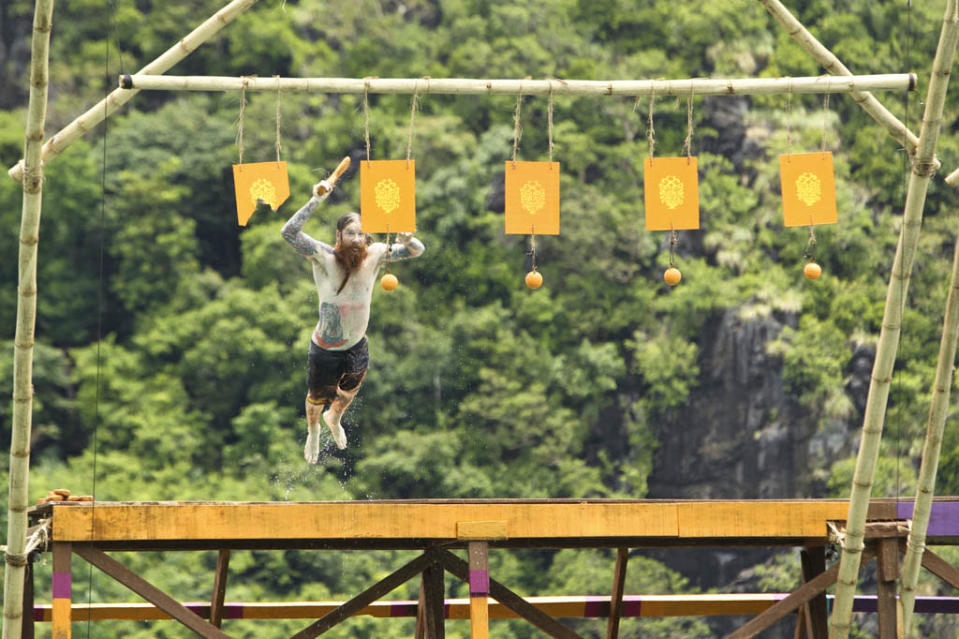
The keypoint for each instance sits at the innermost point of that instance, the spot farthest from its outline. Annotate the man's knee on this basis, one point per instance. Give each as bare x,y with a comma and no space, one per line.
322,395
351,381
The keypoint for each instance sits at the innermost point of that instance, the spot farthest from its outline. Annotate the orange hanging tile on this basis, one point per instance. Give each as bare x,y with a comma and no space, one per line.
671,188
266,181
532,198
808,188
388,196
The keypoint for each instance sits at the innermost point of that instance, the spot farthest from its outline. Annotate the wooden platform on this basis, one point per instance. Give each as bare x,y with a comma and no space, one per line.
89,529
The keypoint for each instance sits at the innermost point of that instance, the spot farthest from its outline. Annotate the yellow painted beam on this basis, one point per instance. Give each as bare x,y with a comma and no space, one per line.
164,521
121,521
458,609
755,518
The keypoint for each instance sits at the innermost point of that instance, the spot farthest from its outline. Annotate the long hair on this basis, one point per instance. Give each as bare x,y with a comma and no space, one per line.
343,254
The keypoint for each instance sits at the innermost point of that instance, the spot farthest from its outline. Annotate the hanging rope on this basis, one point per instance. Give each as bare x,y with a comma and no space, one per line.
366,115
532,248
789,118
688,142
239,135
651,131
825,116
549,120
673,242
409,139
100,305
516,127
279,145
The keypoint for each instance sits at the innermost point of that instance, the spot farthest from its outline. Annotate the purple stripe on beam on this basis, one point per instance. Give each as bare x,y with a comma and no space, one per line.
479,583
403,609
943,520
924,605
596,607
62,585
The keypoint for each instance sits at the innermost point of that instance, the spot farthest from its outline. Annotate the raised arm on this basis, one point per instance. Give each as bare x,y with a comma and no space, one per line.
293,229
405,248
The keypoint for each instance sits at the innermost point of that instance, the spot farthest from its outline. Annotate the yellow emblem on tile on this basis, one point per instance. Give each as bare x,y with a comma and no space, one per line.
266,182
532,198
671,188
808,189
388,196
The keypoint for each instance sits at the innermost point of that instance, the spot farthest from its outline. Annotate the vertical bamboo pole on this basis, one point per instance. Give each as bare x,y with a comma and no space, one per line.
834,66
938,408
102,110
924,165
26,318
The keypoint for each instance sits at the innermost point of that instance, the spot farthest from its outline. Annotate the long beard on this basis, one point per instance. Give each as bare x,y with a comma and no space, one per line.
350,258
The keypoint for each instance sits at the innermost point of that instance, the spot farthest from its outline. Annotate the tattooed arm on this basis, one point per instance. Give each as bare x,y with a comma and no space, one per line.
407,247
292,231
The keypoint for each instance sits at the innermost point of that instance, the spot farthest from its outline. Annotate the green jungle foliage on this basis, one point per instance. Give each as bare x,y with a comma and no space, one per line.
171,350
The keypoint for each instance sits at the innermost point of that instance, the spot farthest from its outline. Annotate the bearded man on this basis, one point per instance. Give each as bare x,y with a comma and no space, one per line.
344,275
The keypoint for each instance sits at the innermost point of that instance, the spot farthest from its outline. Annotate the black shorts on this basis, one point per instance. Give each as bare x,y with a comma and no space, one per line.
326,368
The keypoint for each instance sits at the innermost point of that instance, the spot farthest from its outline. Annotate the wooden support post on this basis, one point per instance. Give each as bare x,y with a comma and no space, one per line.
434,591
420,632
802,623
26,628
368,596
151,593
887,574
479,589
792,602
616,598
219,588
813,561
460,569
62,590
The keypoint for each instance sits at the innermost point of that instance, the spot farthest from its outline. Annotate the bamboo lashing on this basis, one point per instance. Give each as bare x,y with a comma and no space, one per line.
470,86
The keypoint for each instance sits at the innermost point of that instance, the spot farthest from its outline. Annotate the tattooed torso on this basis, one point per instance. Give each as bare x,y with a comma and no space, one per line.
344,315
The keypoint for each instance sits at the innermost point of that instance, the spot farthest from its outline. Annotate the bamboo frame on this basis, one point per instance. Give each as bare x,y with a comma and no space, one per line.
117,98
472,86
15,555
833,65
953,178
922,169
935,426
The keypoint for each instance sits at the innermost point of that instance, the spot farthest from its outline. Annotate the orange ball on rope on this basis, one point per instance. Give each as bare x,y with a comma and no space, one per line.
534,279
389,282
672,276
812,271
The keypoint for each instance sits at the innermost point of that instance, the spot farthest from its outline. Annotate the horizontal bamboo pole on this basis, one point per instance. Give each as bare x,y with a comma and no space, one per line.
467,86
953,178
117,98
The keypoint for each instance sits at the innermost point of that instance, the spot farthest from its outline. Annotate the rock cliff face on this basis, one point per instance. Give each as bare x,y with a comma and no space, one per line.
742,436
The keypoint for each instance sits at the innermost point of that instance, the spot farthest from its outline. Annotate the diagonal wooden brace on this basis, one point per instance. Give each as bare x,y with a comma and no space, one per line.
149,592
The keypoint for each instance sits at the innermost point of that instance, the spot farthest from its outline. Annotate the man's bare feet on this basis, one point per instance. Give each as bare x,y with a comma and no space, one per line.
311,451
332,420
